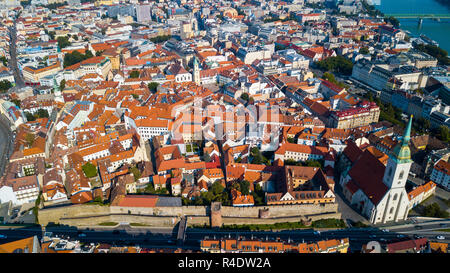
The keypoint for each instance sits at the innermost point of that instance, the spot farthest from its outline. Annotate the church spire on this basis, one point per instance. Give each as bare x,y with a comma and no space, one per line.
402,153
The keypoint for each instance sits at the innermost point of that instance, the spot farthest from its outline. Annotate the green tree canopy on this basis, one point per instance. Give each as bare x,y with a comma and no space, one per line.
217,188
5,85
245,96
63,41
4,60
134,74
160,39
153,86
29,138
76,57
364,50
89,170
245,187
30,116
42,113
338,64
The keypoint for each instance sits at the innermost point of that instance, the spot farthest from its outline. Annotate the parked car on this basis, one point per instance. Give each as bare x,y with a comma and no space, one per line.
81,235
385,230
440,237
2,236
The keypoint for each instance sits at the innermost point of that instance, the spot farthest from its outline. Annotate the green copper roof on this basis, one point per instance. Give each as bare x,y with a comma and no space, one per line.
402,153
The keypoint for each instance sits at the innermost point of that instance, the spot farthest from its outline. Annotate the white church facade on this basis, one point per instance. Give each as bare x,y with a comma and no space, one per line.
378,191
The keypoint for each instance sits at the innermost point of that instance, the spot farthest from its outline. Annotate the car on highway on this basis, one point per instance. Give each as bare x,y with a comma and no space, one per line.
317,232
443,224
440,237
81,235
385,230
2,236
418,227
401,236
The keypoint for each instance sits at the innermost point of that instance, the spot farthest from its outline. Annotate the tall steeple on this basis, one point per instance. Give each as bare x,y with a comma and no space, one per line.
402,153
196,71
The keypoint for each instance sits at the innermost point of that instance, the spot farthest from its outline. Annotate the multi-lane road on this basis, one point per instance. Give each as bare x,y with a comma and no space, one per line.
166,237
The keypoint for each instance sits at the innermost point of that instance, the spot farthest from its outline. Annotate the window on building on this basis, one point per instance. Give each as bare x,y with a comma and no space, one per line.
391,210
401,174
395,197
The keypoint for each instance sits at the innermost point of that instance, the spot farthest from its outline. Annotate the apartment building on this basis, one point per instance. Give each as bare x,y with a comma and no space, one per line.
441,174
35,74
255,245
363,115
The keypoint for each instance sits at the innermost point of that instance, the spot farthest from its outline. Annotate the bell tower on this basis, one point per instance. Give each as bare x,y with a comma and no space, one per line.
196,72
399,162
395,207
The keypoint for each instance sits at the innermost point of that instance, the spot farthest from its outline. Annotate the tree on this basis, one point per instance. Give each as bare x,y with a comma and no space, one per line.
76,57
63,42
160,39
338,64
313,163
29,138
16,102
436,52
62,85
5,85
88,54
52,34
443,133
30,116
4,60
89,170
245,96
245,187
217,188
364,50
394,21
149,189
434,210
42,113
136,173
134,74
153,86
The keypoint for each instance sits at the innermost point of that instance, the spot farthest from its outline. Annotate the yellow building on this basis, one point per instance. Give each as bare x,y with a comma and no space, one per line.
106,2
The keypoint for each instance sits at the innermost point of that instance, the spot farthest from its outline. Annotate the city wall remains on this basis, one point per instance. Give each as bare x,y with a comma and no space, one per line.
82,215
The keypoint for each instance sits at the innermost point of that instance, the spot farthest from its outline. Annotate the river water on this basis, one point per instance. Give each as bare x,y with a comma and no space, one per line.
438,31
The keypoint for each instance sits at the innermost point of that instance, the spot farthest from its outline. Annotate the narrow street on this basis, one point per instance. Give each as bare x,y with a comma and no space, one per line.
13,61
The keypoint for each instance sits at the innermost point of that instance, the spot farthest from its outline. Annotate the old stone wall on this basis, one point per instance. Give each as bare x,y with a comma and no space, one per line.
94,214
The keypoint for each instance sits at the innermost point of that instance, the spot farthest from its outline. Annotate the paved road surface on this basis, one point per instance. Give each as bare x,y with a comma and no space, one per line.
166,237
6,143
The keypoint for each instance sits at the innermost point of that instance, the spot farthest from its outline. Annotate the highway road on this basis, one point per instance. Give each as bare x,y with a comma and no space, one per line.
166,237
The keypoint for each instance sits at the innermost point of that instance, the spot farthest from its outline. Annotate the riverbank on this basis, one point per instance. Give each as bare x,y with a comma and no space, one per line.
435,30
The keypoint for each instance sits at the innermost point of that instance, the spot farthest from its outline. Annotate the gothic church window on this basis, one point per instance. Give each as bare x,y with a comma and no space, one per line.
401,174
